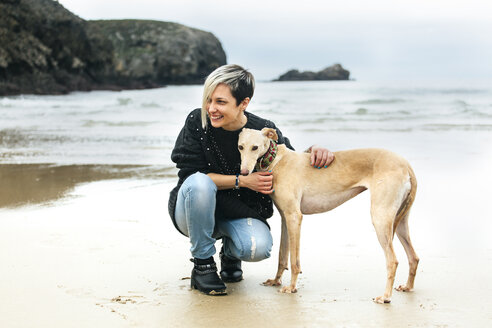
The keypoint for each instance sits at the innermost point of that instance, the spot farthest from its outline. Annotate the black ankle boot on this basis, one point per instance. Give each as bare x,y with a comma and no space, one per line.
204,277
230,268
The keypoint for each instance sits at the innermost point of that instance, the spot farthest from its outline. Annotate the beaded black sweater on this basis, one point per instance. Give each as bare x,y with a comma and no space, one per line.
214,150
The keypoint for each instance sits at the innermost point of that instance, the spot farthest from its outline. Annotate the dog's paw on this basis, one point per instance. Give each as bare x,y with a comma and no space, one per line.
403,288
288,290
381,300
272,282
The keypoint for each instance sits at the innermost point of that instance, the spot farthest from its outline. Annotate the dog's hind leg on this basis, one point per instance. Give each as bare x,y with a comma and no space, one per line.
283,255
413,260
383,214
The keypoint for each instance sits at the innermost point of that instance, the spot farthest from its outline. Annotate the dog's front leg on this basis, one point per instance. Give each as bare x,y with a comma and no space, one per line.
293,222
283,255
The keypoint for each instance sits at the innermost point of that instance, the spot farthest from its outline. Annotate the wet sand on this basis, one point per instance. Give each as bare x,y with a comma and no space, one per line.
22,184
102,252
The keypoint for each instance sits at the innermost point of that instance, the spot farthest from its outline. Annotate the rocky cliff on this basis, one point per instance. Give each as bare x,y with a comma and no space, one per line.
334,72
45,49
158,52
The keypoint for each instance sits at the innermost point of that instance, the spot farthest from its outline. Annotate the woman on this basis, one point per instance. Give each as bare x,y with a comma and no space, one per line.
211,200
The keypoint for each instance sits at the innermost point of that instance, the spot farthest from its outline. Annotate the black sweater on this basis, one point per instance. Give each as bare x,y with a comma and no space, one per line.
215,150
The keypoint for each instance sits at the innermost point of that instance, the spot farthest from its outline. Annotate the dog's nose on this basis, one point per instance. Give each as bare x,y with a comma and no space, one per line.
244,172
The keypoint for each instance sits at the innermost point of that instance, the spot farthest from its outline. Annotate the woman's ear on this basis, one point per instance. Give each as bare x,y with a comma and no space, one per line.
244,103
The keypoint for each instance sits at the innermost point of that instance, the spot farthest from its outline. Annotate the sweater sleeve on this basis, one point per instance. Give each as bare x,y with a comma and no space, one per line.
187,153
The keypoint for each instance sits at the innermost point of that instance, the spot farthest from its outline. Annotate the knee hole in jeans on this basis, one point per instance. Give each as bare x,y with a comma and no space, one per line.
256,249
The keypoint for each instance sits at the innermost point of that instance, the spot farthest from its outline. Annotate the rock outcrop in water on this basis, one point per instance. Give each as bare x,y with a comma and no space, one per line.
45,49
334,72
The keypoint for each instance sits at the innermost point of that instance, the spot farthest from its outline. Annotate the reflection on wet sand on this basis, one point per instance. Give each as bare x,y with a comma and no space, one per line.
22,184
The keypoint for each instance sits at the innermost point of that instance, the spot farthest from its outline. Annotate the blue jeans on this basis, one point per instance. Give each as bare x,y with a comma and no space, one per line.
247,239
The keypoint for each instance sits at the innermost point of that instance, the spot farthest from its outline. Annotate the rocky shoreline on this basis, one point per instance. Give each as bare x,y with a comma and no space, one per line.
334,72
46,49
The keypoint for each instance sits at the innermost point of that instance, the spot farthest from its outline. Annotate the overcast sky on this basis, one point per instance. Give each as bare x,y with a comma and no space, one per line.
374,39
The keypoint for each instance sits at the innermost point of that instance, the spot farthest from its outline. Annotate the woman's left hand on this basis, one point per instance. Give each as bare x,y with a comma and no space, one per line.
321,157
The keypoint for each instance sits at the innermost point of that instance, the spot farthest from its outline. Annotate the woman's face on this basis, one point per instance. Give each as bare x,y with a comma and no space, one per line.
223,111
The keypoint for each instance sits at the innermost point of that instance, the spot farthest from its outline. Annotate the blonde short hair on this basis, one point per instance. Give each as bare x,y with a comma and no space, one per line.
240,81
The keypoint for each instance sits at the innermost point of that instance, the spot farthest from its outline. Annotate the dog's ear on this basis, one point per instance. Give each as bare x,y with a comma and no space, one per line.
270,133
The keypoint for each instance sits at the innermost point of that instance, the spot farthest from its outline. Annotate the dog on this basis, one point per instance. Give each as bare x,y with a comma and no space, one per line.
300,189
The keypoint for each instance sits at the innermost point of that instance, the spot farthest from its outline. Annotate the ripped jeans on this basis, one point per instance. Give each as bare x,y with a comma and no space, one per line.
247,239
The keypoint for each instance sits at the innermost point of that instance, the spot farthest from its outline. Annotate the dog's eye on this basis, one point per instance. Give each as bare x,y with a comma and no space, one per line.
254,148
240,147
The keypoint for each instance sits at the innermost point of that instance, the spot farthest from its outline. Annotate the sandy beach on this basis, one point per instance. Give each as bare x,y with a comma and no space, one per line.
102,252
94,94
87,241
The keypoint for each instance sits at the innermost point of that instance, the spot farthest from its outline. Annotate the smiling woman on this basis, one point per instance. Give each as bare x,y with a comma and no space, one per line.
222,93
223,111
211,199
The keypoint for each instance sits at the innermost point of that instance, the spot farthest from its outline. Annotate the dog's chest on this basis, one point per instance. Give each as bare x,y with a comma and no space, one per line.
312,203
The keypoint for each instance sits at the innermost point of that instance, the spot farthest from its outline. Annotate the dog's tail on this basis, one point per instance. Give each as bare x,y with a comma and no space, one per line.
409,199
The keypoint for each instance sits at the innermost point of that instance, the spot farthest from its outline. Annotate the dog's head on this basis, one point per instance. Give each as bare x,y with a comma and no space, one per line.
252,145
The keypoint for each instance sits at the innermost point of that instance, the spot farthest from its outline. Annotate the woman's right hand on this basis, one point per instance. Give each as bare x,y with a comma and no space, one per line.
258,181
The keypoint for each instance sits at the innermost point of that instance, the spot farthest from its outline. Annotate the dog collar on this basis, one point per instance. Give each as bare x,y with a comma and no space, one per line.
267,159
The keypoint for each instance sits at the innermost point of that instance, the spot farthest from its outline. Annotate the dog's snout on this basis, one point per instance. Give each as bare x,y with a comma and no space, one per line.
244,172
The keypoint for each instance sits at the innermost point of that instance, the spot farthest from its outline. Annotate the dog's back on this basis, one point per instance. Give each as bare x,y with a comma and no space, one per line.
350,173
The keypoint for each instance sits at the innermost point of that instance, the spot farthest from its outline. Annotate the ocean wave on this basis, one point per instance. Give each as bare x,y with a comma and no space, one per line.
436,91
310,130
474,113
471,110
18,138
381,115
364,129
313,121
124,101
461,103
12,137
92,123
8,102
380,101
150,105
15,156
463,91
453,127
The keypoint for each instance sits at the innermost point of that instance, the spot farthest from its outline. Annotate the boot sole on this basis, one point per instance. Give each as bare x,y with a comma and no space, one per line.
212,292
231,280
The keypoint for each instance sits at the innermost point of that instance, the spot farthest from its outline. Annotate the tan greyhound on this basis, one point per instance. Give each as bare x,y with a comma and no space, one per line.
300,189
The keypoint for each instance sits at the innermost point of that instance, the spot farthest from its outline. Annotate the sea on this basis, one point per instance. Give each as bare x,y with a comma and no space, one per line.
81,149
139,127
